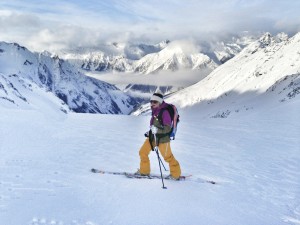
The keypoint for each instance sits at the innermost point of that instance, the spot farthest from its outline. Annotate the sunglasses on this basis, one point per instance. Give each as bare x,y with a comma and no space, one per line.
153,102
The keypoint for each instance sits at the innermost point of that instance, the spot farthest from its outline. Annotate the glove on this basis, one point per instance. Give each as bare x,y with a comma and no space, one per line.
153,129
146,134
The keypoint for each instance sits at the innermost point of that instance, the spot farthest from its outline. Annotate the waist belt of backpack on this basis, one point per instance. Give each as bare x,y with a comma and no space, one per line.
162,135
158,137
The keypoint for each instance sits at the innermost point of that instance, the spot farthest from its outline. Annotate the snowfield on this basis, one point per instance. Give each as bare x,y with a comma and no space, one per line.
253,156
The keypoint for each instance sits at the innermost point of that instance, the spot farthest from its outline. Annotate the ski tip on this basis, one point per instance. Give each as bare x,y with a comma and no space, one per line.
211,182
185,176
95,170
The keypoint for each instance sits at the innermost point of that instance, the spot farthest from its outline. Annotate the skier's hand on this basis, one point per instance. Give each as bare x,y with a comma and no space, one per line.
153,129
146,134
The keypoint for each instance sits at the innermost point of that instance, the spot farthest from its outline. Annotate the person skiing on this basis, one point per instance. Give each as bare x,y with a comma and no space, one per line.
162,138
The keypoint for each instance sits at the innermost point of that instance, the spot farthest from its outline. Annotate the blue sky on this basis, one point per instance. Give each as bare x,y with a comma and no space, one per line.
55,24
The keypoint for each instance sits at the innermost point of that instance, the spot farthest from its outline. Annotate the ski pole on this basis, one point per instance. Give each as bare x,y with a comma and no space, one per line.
162,164
159,160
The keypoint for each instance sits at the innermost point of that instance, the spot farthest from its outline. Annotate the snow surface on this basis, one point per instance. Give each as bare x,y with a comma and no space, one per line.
46,157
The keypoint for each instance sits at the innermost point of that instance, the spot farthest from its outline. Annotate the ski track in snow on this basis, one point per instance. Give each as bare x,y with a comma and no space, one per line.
45,177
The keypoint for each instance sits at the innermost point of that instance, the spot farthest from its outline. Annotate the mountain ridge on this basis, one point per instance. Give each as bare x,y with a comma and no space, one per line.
79,92
268,68
267,65
149,58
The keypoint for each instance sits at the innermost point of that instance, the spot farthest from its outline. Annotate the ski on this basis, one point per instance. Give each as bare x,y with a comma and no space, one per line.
132,175
151,176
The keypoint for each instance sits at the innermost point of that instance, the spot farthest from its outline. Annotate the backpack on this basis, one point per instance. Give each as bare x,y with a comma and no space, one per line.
174,118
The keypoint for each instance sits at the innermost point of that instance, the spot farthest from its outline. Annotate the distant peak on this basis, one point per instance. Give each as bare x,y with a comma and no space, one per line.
266,39
282,37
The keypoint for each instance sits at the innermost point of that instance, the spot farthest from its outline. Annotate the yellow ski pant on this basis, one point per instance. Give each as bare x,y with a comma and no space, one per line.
165,151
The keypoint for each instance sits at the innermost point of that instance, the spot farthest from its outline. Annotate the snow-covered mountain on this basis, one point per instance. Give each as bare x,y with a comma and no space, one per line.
142,58
164,56
265,72
182,58
177,55
118,57
222,51
23,72
177,65
268,65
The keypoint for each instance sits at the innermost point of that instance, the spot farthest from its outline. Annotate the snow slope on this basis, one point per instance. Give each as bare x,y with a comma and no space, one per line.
255,69
46,157
52,74
19,92
266,71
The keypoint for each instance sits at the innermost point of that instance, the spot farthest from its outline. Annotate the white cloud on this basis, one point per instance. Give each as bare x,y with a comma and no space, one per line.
57,24
13,21
182,78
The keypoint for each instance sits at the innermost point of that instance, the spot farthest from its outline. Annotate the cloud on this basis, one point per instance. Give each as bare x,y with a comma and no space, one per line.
182,78
10,20
60,24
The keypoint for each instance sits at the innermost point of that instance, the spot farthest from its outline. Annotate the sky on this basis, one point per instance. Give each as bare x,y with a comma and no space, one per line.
57,24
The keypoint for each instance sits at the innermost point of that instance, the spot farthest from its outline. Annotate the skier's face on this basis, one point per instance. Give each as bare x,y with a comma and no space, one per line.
154,104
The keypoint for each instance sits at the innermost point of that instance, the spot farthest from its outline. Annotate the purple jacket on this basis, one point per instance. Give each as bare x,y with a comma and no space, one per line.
166,118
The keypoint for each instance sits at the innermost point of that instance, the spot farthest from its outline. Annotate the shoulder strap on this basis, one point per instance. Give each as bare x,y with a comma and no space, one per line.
159,116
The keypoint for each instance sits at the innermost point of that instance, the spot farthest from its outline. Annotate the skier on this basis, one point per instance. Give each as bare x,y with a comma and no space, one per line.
162,138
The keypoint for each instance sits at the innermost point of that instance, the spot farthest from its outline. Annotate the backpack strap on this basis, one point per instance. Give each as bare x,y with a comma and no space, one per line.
159,117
